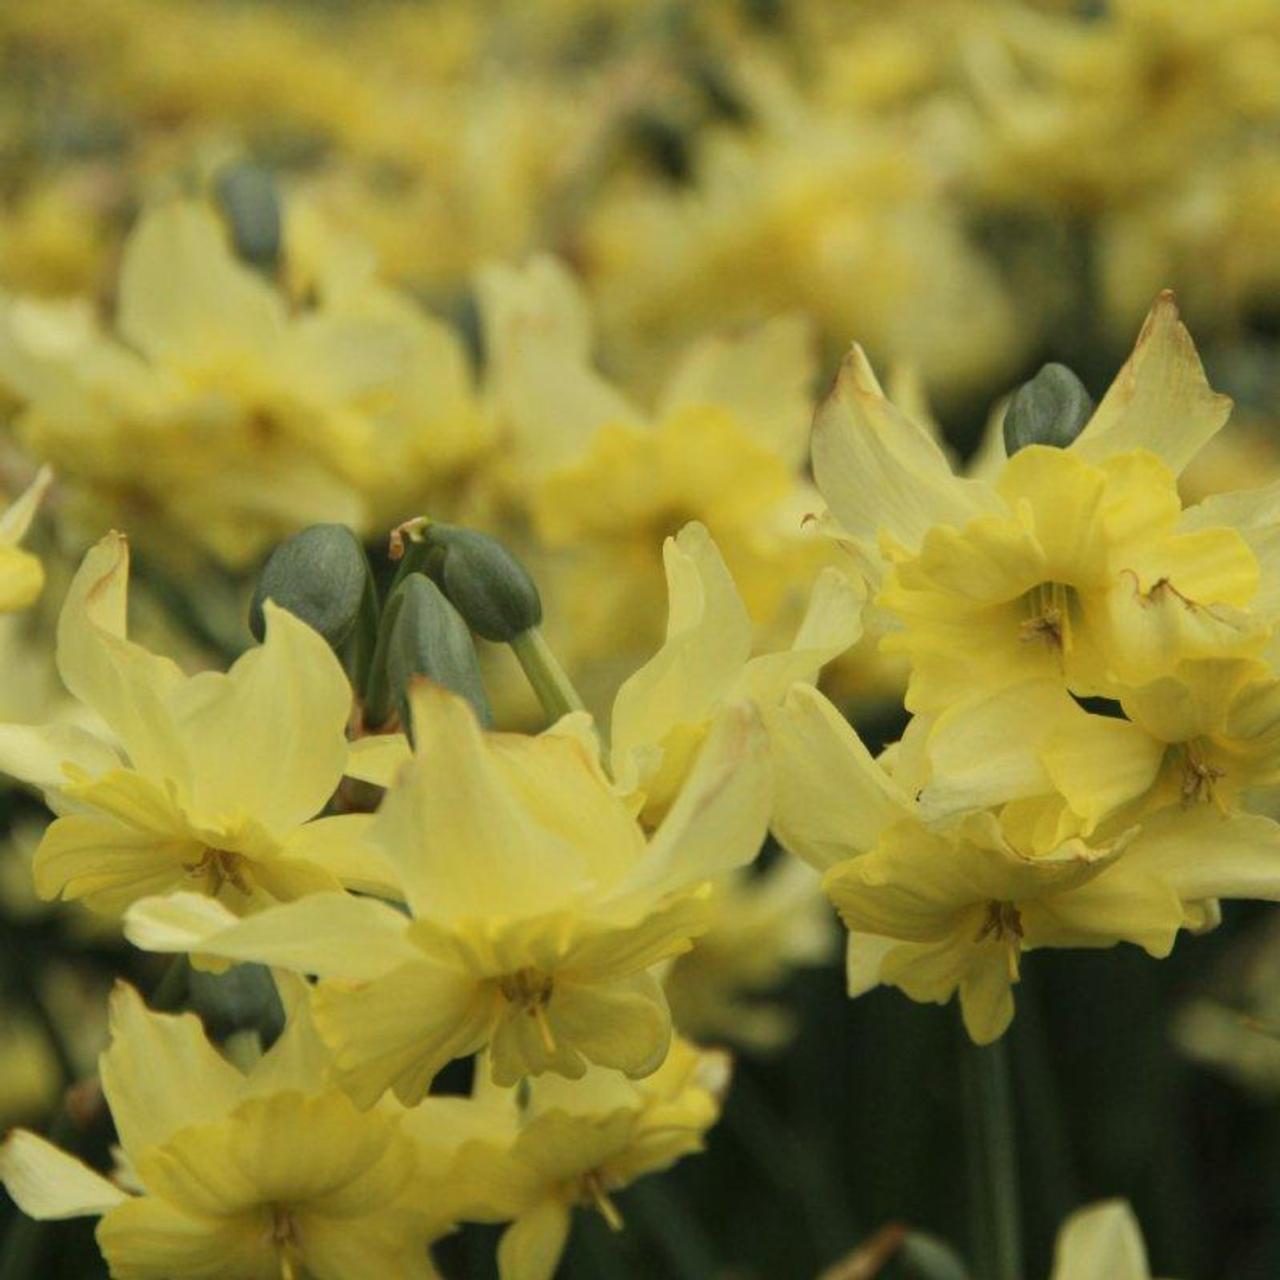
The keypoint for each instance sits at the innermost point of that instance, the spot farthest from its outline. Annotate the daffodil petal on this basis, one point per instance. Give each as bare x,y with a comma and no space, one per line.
1160,400
531,1246
322,933
45,1182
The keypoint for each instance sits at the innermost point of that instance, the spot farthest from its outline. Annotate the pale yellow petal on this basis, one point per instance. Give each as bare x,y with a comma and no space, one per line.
623,1024
160,1073
391,1243
831,798
38,754
339,844
460,837
378,758
127,686
1255,515
398,1031
284,705
831,624
720,818
536,338
150,1239
106,864
1201,853
531,1246
763,377
708,642
17,517
183,296
986,995
324,933
1101,1242
881,472
45,1182
1160,400
21,579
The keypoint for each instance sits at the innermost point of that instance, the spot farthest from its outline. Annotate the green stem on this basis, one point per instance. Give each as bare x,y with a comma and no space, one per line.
992,1159
552,685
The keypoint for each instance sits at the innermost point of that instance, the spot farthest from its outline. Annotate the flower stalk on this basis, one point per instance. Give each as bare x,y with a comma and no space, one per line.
992,1159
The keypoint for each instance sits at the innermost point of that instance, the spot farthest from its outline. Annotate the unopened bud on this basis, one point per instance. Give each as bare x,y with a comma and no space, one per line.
487,585
1051,408
429,638
320,575
250,202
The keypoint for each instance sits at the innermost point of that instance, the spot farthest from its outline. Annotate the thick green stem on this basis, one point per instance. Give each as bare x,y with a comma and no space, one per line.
992,1158
545,674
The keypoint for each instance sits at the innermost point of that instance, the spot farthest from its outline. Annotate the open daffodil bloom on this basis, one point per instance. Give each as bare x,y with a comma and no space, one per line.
536,905
208,783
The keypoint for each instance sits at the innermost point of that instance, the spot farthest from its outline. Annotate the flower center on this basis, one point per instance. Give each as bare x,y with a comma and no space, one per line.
217,867
592,1191
1003,923
1003,920
530,991
1199,777
1048,618
286,1239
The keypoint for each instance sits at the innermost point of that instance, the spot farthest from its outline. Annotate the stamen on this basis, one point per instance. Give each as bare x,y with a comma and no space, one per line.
600,1198
287,1242
217,867
1050,621
1199,778
1003,919
539,1012
530,991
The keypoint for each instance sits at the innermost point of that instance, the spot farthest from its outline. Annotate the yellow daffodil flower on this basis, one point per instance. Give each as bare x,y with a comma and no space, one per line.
207,783
1207,732
950,907
604,480
1070,562
536,906
213,419
268,1174
573,1145
21,573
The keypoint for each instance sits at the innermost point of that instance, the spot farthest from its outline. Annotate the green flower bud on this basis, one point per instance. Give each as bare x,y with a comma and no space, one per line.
487,585
322,576
924,1257
1051,408
427,637
241,998
247,195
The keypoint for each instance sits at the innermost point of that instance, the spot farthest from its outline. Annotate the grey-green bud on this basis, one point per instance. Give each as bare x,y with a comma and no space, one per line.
1051,408
241,998
429,638
320,575
487,585
250,201
925,1257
